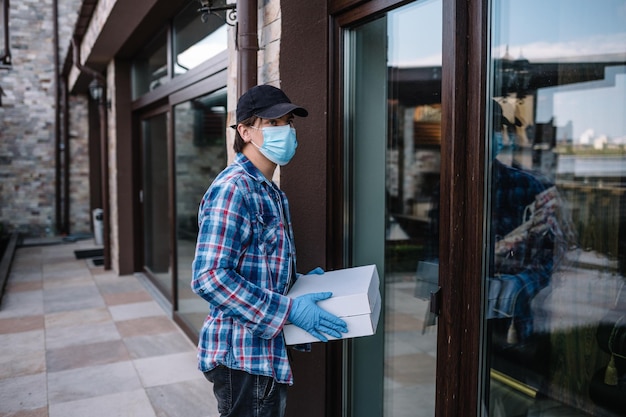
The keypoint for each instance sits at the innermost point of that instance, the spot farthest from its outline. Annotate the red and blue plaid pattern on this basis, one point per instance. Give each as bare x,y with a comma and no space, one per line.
244,261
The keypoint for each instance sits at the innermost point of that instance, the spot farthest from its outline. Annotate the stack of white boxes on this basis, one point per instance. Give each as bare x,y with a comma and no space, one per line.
356,300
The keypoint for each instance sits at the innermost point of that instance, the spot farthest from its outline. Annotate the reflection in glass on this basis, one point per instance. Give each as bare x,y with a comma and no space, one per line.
193,42
200,154
149,67
412,194
196,41
394,147
155,194
555,298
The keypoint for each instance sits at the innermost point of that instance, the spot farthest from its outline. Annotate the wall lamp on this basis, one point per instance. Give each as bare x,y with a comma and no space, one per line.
211,7
96,91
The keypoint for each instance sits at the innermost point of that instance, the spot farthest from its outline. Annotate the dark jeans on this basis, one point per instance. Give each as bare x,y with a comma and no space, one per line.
240,394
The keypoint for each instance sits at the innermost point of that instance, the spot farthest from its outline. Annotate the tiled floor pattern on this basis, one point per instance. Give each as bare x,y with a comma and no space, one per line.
78,341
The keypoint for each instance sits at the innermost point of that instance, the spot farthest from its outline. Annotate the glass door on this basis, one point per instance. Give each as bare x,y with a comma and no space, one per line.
392,125
555,296
155,201
200,155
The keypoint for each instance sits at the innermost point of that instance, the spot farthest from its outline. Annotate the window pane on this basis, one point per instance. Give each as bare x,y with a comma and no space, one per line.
196,41
200,148
393,84
556,302
156,202
150,66
412,202
367,121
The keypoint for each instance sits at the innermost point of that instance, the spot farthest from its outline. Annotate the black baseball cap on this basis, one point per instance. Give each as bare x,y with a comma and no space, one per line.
267,102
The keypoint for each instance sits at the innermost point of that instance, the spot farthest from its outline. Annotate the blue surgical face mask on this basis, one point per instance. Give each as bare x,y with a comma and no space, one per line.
279,143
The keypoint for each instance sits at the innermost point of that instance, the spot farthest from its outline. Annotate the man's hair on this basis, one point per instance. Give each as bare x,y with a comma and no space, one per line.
239,142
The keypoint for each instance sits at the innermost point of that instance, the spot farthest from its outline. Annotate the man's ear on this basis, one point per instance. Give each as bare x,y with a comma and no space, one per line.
244,132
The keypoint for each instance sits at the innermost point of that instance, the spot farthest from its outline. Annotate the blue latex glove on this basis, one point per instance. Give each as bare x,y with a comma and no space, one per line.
307,315
316,271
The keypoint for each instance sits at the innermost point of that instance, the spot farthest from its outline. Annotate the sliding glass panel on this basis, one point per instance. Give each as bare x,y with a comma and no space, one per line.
200,154
555,297
156,223
366,149
393,108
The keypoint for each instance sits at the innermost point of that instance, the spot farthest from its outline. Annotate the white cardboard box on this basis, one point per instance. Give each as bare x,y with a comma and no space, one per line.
356,299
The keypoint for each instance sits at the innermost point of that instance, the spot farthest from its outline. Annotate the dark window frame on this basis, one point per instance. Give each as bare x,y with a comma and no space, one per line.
171,80
211,77
459,377
5,57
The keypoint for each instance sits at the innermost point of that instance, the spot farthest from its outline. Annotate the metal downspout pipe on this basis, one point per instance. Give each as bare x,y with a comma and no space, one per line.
247,45
104,153
60,200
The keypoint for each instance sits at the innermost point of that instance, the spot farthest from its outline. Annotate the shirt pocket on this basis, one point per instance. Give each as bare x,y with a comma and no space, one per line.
268,232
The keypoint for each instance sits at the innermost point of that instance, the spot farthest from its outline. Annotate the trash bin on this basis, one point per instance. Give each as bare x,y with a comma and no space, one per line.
98,215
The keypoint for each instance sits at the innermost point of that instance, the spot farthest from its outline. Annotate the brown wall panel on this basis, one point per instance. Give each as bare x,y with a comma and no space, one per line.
304,77
127,172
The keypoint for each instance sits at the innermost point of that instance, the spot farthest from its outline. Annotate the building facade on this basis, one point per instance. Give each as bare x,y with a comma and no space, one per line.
31,156
472,151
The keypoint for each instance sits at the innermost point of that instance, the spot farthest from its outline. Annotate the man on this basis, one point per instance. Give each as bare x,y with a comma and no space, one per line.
523,256
245,263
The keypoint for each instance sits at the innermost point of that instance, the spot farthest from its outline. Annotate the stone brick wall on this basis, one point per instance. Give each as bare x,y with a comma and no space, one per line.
67,14
269,50
27,115
269,30
80,215
269,43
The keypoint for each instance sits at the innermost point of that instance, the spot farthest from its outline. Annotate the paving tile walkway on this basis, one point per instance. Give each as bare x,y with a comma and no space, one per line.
78,341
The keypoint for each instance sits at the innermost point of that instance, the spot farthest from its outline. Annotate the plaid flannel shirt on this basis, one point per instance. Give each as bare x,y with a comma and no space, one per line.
243,265
514,189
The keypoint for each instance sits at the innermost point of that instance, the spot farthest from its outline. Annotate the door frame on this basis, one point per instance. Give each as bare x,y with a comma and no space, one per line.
203,87
459,378
462,212
156,110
